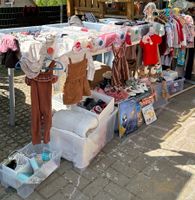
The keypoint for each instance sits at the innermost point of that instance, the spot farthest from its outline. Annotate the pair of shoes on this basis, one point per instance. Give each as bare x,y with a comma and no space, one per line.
130,92
134,86
88,104
118,94
142,86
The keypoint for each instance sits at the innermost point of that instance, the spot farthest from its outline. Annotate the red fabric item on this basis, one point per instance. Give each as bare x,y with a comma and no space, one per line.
128,39
50,50
180,31
150,50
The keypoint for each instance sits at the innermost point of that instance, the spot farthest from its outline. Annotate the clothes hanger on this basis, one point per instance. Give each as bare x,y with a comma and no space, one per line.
160,16
164,18
18,66
160,20
58,64
167,12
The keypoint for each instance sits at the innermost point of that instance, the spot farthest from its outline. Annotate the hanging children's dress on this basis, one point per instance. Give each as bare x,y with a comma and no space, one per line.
120,69
150,49
41,111
76,85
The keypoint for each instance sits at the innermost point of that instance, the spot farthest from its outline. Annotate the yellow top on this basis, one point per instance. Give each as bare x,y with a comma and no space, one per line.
176,11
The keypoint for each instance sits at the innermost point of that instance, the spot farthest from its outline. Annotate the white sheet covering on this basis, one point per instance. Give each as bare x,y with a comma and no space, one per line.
76,122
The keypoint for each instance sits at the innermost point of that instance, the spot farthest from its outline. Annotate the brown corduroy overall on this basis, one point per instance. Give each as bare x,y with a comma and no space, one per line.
76,85
41,111
120,69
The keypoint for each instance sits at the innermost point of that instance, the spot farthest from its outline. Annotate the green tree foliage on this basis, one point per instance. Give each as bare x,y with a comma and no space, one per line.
50,2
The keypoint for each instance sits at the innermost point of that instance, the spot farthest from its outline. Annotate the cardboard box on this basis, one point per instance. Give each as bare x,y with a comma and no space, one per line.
98,77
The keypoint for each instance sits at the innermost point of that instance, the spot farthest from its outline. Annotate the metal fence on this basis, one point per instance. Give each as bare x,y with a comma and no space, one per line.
23,16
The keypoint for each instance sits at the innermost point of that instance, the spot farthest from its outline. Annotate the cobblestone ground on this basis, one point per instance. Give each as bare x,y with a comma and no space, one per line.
157,162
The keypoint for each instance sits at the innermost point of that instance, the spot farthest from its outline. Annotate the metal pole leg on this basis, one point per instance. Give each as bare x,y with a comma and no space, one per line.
11,97
61,13
103,58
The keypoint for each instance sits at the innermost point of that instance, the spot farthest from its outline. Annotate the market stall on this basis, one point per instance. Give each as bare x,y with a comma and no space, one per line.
147,67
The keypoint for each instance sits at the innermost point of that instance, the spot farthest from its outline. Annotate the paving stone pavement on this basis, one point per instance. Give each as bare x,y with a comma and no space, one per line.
157,162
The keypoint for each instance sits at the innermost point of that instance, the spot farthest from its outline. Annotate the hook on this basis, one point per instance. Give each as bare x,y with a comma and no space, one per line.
18,66
60,66
56,63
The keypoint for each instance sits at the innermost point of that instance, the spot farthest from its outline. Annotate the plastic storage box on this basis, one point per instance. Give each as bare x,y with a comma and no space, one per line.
9,177
109,109
175,86
82,150
170,75
160,101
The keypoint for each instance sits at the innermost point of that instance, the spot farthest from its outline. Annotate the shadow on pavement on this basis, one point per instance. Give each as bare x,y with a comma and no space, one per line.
160,158
12,138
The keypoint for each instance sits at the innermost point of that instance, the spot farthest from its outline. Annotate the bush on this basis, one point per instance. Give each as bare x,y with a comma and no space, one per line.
50,2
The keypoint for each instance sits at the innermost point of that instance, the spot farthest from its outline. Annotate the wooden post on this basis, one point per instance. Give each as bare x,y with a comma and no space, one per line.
101,9
130,9
70,7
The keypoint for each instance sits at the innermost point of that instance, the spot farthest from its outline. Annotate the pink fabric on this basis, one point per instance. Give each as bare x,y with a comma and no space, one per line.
8,42
189,20
106,39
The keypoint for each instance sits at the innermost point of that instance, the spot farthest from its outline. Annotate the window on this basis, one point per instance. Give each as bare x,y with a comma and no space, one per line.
9,2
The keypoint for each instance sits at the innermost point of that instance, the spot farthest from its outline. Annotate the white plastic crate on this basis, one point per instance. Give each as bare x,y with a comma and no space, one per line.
109,109
82,150
170,75
57,104
175,86
8,177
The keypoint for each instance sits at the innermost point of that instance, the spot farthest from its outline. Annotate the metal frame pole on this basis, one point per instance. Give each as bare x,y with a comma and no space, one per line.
11,97
61,13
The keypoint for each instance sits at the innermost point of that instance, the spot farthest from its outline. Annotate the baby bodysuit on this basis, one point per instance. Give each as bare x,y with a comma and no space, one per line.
150,50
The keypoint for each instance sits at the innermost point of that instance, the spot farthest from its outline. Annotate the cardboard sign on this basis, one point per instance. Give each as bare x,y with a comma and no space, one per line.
127,117
149,114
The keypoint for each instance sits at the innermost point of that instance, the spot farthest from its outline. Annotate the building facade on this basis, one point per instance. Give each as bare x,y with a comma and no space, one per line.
16,3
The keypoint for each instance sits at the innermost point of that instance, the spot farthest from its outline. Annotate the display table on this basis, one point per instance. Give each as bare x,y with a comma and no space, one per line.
100,50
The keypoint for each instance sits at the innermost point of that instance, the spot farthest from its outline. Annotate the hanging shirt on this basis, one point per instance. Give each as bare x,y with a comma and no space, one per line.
33,53
8,42
180,31
181,57
189,31
150,50
9,51
169,34
175,32
77,57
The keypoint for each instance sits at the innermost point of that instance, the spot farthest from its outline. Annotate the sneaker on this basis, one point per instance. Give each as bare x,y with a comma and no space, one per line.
130,92
144,87
140,88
